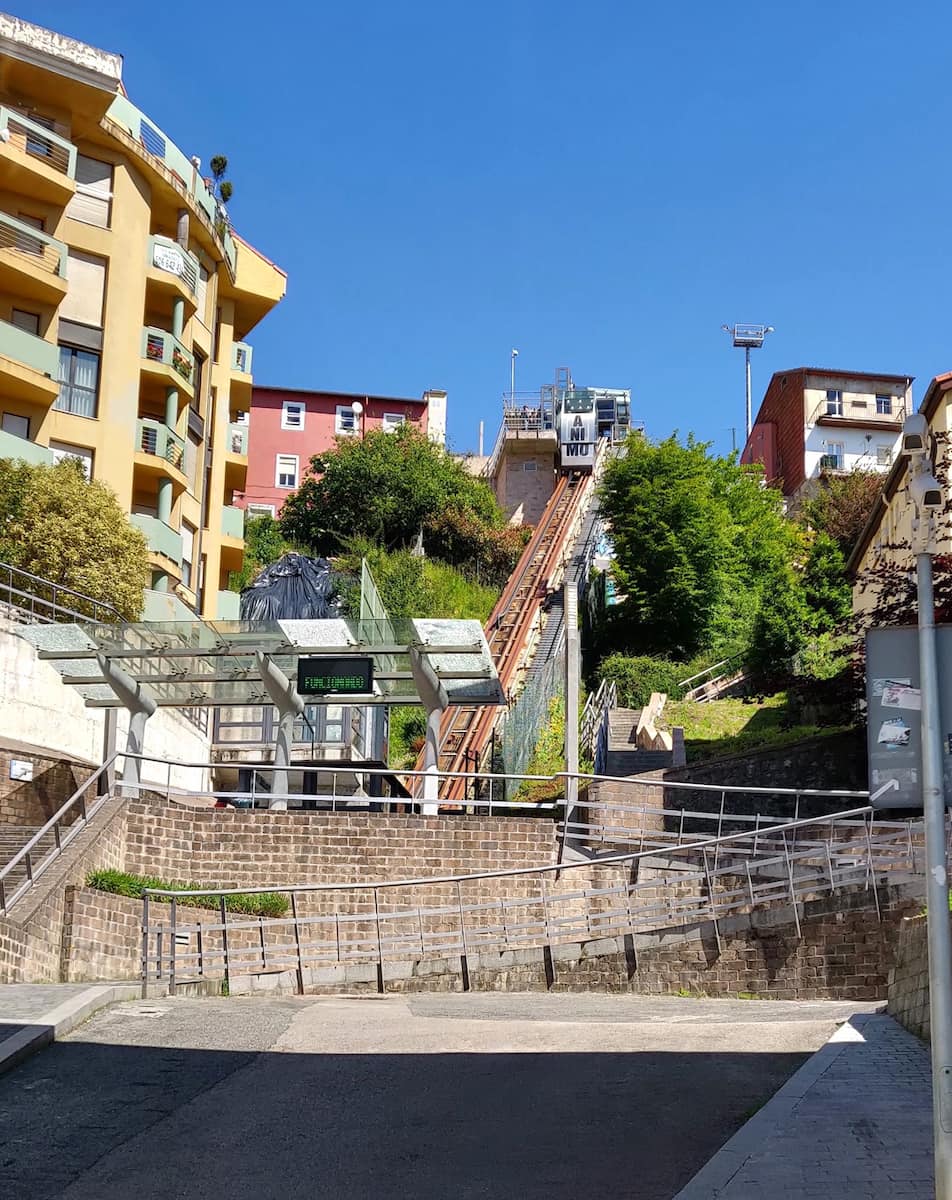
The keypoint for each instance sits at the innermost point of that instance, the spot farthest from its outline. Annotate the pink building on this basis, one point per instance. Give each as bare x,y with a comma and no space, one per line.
288,426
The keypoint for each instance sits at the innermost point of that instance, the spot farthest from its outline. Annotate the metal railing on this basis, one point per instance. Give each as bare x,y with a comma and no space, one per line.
33,246
160,346
154,437
714,677
168,256
859,410
528,419
462,916
27,597
237,439
241,355
30,862
37,141
595,725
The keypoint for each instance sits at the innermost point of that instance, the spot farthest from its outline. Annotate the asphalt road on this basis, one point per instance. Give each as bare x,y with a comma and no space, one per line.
426,1097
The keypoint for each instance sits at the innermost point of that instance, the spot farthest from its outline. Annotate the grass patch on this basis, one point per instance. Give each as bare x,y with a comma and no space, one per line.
547,758
729,726
454,595
407,733
121,883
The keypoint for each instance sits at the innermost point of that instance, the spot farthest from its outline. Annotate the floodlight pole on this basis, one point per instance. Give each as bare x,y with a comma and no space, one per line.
747,376
937,883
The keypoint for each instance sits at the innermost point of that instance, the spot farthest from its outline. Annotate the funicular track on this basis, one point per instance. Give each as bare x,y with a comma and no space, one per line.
465,732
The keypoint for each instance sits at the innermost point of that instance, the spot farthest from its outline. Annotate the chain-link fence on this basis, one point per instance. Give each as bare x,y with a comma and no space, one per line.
518,733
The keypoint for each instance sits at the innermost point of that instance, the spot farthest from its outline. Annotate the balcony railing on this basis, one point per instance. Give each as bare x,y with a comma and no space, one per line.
162,347
238,439
155,143
160,537
859,410
27,348
233,521
166,255
241,358
152,437
38,142
33,245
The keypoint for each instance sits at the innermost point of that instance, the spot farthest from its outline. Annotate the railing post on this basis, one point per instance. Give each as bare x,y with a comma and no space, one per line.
710,901
201,953
793,892
464,957
297,944
145,945
223,912
380,980
172,950
870,870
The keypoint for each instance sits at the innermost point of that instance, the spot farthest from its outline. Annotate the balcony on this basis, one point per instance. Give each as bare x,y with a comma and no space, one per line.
12,446
161,538
236,457
34,160
160,452
165,358
29,366
241,380
32,264
171,274
233,523
849,413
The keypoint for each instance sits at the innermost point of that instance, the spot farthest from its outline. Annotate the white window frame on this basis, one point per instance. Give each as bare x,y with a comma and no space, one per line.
283,460
286,407
352,427
884,456
259,510
837,450
834,402
884,404
83,455
391,422
530,465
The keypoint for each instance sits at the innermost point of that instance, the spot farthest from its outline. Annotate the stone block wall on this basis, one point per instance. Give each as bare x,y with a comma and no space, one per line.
102,936
908,996
33,802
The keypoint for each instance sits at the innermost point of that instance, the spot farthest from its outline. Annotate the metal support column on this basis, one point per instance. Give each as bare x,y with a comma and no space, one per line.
140,705
289,704
572,670
433,695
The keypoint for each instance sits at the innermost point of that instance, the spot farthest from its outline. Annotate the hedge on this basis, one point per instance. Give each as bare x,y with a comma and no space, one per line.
636,677
121,883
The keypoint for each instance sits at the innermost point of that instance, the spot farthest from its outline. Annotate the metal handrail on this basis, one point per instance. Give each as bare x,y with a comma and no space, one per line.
851,410
15,593
725,662
61,839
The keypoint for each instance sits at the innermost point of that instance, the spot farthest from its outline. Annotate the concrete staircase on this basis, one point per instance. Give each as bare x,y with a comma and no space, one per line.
623,757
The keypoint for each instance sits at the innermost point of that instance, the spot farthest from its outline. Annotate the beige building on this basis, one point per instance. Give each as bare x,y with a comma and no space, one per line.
886,540
125,301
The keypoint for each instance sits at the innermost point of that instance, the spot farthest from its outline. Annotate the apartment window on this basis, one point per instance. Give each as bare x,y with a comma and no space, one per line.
392,421
292,415
260,510
86,277
201,292
836,455
530,466
834,402
188,552
27,321
286,471
883,456
15,425
63,450
40,146
884,406
92,200
79,382
346,419
198,379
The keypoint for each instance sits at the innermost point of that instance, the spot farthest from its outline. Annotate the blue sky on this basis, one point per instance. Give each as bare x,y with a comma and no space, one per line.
600,186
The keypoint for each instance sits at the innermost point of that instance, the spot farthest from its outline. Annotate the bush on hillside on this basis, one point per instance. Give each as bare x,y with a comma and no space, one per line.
637,676
122,883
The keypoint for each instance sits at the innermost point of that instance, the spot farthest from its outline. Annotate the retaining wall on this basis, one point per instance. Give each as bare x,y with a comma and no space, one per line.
908,995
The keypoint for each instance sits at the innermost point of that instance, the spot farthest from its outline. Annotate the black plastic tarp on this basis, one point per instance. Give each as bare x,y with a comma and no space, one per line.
293,588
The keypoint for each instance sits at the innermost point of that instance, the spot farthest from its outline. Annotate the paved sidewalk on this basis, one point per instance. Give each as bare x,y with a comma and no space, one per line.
855,1123
34,1014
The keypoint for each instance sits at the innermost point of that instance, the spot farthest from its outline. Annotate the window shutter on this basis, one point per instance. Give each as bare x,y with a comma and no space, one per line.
86,276
93,195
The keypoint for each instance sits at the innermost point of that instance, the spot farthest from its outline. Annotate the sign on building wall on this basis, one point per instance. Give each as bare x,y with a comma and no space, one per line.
168,258
894,712
327,676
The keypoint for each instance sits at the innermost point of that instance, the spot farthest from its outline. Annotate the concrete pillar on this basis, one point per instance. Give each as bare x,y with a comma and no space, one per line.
435,700
171,407
289,704
164,502
140,704
178,316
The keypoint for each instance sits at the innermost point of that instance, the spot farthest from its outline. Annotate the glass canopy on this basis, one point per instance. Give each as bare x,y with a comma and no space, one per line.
212,663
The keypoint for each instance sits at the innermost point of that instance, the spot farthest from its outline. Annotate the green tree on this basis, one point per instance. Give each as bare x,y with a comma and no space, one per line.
57,525
264,544
840,506
384,487
698,540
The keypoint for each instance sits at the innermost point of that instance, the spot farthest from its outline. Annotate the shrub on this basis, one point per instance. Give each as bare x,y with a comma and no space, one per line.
121,883
636,677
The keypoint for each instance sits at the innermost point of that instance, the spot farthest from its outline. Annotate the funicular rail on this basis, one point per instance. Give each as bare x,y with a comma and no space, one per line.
465,732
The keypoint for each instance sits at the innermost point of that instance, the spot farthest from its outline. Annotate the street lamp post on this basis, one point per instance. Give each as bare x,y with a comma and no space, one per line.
512,377
749,337
926,495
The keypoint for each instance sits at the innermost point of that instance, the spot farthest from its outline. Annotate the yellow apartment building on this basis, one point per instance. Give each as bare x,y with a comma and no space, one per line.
125,302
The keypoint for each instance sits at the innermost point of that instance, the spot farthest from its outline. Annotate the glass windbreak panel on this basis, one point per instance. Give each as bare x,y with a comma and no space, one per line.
579,402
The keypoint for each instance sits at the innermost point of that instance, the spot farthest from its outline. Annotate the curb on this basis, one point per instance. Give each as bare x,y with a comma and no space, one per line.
59,1021
718,1171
